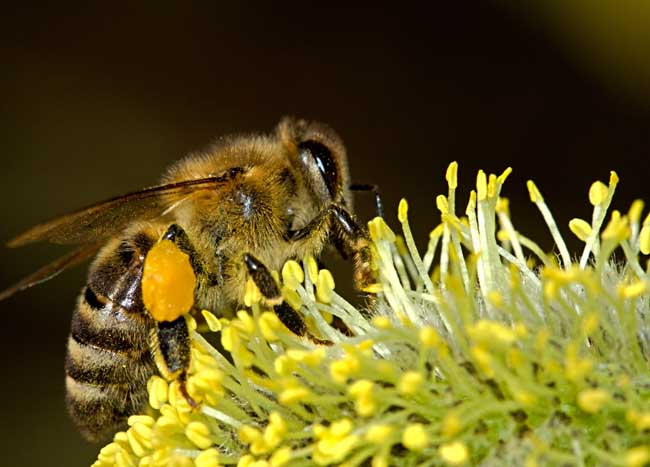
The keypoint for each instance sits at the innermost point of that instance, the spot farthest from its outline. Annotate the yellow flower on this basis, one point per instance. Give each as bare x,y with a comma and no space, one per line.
482,339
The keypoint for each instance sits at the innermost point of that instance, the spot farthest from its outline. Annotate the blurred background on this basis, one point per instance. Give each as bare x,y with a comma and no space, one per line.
98,100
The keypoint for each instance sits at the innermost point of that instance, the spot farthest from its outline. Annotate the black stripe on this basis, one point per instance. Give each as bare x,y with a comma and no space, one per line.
119,370
107,338
92,300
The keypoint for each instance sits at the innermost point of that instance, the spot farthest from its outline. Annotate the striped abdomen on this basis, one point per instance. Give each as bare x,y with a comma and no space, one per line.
108,361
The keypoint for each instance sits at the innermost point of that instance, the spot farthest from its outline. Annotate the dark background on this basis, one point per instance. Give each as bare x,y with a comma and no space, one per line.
96,101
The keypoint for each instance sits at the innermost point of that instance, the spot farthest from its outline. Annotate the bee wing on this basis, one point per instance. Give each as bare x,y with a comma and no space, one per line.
109,217
52,269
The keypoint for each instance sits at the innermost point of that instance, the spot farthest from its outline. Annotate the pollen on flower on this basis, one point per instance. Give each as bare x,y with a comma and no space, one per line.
452,175
199,434
292,274
410,383
252,294
402,210
640,420
212,321
158,389
442,204
644,239
269,324
281,457
340,370
454,453
451,424
324,286
633,290
207,458
580,228
415,437
429,337
637,456
292,394
334,442
597,193
379,434
592,400
382,322
362,392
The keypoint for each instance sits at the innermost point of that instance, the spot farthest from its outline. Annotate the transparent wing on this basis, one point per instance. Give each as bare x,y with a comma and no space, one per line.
109,217
52,269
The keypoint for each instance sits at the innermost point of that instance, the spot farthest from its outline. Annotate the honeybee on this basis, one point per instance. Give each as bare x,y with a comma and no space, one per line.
240,209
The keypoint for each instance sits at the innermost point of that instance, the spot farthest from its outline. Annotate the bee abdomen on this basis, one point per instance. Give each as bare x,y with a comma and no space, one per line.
107,365
99,322
100,411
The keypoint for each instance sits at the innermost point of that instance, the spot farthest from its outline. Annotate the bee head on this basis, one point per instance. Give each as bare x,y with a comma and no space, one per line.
318,154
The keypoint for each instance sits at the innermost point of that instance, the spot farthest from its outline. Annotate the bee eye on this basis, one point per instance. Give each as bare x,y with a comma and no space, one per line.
322,156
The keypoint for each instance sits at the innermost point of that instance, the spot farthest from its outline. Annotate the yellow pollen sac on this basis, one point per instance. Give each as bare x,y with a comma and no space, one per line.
481,185
442,204
281,456
207,458
212,321
617,228
199,434
533,192
252,294
378,434
324,286
637,456
381,322
410,382
632,290
452,175
429,337
503,205
451,424
597,193
580,228
402,210
636,209
492,186
644,239
292,274
379,230
591,400
454,453
168,282
415,437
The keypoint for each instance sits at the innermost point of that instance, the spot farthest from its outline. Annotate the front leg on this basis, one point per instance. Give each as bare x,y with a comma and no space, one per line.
348,236
356,242
271,293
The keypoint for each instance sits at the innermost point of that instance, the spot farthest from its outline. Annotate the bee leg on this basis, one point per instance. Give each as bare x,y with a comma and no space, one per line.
271,293
379,206
170,346
350,238
176,234
355,242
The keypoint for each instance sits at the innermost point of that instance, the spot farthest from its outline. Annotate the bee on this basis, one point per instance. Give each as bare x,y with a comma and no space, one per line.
238,210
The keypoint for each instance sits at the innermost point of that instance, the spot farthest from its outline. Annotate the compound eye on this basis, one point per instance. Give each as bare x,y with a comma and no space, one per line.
322,156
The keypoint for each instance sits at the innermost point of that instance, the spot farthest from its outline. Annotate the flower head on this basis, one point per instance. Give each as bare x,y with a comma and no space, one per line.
470,354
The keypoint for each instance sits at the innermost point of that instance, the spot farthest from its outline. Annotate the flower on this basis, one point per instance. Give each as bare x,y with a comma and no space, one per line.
483,349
